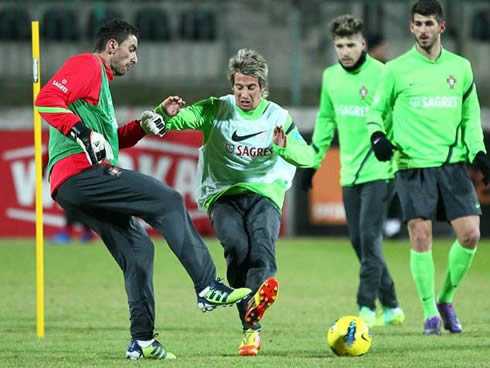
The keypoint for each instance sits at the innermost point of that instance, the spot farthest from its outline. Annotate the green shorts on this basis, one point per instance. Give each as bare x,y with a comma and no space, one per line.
441,193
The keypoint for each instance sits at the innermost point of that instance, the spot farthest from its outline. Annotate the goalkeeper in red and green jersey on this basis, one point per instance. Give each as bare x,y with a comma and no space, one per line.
436,130
348,87
84,142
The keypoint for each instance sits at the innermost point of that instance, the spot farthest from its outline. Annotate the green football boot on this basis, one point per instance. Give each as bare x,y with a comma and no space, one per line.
368,316
153,351
390,316
218,294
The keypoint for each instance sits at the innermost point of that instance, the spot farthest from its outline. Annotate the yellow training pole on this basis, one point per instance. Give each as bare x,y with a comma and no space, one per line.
39,183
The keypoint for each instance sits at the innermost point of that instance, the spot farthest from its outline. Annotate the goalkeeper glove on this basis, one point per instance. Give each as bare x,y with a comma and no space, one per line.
152,123
382,147
307,179
95,146
482,163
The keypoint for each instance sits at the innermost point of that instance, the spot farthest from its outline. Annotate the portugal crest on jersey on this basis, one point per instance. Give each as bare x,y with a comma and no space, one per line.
363,92
451,81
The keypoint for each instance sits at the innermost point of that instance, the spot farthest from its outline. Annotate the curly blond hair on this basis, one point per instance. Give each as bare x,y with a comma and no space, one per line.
249,62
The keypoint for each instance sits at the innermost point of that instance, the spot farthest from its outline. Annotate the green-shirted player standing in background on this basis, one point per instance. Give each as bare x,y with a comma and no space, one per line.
436,130
348,88
247,162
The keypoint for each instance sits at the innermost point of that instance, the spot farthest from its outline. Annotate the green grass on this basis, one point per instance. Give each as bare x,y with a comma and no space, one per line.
87,316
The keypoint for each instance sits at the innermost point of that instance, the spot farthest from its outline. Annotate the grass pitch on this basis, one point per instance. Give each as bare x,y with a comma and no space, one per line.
87,315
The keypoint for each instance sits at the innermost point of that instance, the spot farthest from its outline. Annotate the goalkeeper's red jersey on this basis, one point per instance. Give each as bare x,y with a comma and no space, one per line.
79,78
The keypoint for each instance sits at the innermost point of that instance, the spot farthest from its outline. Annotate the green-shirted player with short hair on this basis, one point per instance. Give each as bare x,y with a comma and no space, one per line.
247,162
348,88
436,130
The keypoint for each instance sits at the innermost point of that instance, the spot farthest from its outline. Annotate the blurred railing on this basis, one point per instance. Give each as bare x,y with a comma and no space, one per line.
185,44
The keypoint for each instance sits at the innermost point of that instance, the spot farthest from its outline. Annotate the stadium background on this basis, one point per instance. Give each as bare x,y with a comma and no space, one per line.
183,50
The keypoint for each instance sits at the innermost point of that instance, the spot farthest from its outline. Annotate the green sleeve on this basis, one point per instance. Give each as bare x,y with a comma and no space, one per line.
325,126
379,115
160,110
470,117
297,152
195,116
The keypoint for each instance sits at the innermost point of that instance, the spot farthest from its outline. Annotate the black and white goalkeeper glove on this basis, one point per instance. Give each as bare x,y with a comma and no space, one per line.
95,146
152,123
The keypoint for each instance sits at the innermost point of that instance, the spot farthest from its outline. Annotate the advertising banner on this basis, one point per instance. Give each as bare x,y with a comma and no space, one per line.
172,159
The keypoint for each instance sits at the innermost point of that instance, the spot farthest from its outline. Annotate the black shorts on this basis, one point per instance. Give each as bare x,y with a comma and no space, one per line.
441,193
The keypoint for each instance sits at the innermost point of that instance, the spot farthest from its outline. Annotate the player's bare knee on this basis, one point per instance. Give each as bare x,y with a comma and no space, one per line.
418,232
420,236
470,238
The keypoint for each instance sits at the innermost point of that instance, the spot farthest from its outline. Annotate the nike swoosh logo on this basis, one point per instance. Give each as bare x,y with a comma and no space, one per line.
364,338
237,138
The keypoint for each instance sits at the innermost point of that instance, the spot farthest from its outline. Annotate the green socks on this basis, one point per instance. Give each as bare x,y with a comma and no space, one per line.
422,267
460,260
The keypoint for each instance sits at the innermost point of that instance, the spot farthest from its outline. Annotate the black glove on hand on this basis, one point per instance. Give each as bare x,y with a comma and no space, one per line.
95,146
482,163
382,147
307,179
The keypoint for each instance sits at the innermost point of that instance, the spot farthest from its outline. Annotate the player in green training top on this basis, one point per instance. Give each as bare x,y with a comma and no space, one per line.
248,159
436,130
347,90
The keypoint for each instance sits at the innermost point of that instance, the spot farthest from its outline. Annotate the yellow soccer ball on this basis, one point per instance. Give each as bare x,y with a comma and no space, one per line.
349,336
